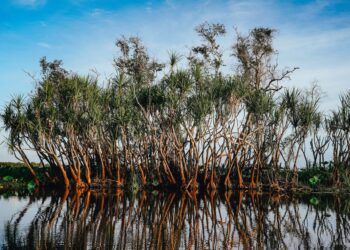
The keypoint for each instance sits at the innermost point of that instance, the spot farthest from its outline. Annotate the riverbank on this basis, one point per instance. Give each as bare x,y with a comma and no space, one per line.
16,177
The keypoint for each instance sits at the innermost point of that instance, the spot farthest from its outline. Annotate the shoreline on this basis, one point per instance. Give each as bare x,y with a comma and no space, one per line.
23,187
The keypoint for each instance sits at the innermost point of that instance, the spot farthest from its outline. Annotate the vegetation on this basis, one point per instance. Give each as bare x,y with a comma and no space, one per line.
15,177
191,126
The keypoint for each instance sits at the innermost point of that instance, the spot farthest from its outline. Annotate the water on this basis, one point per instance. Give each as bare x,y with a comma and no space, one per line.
234,220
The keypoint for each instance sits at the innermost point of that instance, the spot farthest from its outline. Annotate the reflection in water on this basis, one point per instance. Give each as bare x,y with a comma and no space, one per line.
172,221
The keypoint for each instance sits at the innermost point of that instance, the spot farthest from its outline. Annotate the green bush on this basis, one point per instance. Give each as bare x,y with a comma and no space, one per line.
316,176
314,201
7,178
31,186
314,181
19,172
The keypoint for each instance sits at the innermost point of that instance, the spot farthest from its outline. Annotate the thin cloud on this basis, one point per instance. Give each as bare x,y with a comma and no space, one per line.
29,3
44,45
96,12
43,24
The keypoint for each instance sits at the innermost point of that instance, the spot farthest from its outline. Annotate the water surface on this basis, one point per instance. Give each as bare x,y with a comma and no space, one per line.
116,220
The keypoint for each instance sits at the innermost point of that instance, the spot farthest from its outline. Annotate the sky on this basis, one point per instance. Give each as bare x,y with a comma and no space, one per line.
311,35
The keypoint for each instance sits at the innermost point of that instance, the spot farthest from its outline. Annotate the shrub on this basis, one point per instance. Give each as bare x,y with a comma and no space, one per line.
313,181
8,178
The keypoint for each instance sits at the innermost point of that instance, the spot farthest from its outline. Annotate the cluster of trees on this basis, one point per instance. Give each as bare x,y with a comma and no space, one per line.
177,124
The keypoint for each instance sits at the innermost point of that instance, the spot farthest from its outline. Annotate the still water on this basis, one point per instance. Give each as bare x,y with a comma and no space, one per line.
234,220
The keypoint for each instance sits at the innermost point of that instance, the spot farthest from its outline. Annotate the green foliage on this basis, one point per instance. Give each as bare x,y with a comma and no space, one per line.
31,186
151,97
259,103
346,178
316,176
8,178
155,193
199,107
314,181
314,201
19,172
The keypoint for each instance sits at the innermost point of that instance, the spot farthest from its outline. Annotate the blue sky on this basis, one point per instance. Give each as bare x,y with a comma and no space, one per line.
313,35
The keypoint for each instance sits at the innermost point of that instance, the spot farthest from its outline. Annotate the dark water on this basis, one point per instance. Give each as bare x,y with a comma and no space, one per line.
235,220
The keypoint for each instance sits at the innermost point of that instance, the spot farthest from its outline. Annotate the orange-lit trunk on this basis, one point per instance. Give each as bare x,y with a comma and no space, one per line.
252,183
239,175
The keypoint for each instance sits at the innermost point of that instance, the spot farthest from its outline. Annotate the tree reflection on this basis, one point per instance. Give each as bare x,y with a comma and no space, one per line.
101,220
